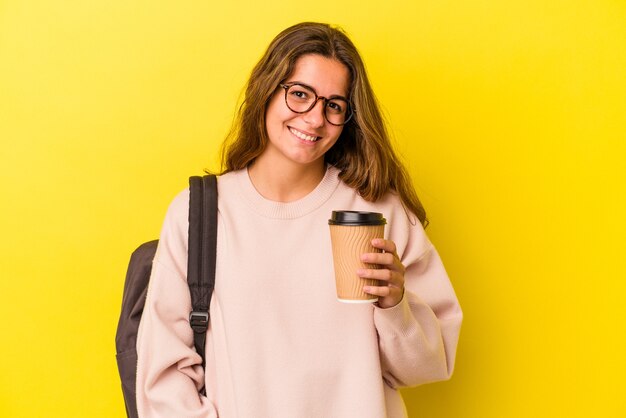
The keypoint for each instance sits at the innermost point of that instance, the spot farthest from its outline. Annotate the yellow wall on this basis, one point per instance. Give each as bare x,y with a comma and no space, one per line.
511,114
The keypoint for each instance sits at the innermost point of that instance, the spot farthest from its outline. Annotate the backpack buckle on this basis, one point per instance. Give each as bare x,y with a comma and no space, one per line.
199,321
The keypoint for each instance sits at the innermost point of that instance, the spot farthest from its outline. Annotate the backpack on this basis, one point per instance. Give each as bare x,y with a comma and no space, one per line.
200,278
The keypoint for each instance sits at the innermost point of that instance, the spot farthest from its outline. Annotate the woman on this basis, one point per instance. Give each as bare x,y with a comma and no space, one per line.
309,139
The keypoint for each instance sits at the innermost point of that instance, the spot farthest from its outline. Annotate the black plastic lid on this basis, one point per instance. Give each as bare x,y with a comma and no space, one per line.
355,218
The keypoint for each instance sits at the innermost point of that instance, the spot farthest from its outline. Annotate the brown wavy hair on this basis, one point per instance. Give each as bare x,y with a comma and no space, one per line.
363,153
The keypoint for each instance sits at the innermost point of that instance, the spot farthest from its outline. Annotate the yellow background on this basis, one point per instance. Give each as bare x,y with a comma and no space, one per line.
510,114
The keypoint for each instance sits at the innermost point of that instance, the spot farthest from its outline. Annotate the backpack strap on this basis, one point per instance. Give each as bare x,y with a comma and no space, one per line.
201,255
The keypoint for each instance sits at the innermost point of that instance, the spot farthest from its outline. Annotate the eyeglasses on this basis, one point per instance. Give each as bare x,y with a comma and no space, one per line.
301,98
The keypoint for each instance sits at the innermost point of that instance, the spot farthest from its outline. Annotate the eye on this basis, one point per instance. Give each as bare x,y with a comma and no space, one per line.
336,106
299,93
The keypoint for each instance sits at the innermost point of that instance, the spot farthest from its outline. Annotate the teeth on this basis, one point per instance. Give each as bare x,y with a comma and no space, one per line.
303,136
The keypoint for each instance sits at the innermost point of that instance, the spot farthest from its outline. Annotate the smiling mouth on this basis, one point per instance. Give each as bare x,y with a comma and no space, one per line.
303,136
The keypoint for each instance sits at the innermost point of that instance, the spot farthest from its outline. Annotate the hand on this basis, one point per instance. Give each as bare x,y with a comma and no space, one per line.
391,273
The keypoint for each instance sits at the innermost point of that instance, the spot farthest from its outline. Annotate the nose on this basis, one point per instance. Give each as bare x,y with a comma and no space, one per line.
315,117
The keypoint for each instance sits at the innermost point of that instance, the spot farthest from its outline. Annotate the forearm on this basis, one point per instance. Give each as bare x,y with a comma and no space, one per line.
169,371
415,346
418,337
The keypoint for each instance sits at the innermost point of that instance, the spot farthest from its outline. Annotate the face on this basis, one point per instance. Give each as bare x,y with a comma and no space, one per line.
304,138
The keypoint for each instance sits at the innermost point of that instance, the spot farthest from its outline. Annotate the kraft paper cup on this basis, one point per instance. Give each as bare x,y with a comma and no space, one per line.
351,234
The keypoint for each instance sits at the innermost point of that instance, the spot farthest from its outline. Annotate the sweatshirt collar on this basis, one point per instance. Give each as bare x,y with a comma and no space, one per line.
290,210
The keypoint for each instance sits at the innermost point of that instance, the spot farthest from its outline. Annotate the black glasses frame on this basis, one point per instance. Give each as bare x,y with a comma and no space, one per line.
287,86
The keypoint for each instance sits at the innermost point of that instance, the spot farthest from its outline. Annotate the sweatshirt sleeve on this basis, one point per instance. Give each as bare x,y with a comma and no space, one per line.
169,371
418,337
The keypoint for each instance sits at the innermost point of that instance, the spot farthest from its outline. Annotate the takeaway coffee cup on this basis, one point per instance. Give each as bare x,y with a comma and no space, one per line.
351,234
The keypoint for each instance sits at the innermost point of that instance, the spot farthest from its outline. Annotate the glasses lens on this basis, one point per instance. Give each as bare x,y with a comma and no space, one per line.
337,111
300,98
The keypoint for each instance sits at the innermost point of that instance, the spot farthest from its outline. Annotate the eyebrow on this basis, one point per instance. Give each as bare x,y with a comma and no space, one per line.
334,96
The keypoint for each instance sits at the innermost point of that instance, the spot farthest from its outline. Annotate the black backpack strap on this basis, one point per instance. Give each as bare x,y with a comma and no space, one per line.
202,255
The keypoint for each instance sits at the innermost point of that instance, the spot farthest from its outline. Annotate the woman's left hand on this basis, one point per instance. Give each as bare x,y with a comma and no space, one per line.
390,273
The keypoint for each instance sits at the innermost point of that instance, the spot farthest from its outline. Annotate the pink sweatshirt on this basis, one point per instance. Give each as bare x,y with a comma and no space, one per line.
279,344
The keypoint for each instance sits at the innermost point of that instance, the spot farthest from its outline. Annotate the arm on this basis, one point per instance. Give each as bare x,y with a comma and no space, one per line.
418,319
169,371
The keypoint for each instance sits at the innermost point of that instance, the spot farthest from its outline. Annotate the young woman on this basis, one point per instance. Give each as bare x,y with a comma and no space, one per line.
309,140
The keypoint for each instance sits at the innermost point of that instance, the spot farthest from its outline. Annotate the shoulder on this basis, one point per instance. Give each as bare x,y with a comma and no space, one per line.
389,205
230,181
403,227
179,204
176,223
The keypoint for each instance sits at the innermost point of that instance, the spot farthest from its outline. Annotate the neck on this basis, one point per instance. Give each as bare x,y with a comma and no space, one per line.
285,182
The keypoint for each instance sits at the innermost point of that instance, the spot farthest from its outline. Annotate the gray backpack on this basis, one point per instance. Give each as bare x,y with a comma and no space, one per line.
200,278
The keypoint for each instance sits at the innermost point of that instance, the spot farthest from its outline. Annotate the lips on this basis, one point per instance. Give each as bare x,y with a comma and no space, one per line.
303,136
